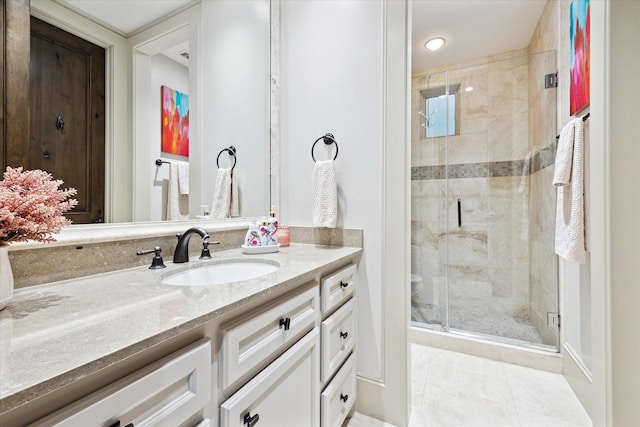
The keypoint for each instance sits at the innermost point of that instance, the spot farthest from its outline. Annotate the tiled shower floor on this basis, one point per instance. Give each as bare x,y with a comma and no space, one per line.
477,320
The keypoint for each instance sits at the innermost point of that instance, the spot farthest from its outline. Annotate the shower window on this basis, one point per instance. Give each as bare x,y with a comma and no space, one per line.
441,111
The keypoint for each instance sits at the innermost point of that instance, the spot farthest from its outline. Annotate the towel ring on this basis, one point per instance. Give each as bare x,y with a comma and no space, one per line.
232,152
328,139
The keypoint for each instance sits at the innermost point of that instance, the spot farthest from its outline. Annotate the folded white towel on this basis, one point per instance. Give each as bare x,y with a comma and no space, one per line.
324,194
570,208
177,203
183,178
222,194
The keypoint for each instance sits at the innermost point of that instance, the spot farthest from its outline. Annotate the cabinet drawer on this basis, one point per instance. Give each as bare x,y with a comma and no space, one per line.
249,342
169,392
338,339
284,394
339,396
338,287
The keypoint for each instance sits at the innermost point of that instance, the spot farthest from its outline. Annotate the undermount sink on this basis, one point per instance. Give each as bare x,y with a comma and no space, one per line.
220,272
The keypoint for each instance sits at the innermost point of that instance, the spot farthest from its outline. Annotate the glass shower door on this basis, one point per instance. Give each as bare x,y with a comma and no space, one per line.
482,201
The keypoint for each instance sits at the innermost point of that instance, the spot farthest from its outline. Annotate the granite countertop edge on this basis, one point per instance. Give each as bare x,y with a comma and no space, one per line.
306,269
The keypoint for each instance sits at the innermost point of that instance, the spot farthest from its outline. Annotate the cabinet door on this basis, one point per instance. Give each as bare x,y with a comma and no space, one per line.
170,392
249,343
284,394
338,287
338,339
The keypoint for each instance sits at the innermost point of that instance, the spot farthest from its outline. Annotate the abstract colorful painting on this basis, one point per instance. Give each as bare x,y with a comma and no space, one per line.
580,42
175,122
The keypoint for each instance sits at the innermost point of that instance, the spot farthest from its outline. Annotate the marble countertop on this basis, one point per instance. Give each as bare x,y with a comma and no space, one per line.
54,334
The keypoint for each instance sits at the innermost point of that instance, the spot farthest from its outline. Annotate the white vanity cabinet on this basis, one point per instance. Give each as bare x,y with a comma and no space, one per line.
170,392
338,374
292,364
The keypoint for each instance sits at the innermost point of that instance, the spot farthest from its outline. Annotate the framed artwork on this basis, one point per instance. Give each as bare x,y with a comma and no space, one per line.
579,60
175,122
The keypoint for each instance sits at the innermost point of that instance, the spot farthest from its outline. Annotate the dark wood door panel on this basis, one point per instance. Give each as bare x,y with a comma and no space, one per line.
14,82
67,115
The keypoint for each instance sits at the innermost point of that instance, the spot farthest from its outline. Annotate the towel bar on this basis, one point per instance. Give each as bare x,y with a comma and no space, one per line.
584,119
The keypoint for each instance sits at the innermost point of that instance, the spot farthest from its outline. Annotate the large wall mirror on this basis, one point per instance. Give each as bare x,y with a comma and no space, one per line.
216,52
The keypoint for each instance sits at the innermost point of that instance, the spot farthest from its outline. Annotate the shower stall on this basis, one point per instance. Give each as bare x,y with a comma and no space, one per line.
482,202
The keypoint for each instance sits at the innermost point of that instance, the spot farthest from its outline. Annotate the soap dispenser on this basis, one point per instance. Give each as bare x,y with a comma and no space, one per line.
252,238
272,226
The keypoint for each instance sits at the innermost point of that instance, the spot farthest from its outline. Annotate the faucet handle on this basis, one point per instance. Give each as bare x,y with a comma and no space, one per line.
157,262
206,254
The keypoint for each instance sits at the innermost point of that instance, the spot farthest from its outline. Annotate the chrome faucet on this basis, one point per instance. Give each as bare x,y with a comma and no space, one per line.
182,248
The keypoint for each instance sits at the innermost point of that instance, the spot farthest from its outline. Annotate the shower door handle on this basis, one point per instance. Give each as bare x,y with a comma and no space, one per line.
459,214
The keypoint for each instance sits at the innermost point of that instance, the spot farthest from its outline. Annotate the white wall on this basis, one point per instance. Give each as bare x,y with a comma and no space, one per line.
236,98
624,214
331,73
337,61
164,72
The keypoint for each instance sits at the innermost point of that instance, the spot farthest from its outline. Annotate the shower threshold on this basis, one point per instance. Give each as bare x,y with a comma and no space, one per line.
437,327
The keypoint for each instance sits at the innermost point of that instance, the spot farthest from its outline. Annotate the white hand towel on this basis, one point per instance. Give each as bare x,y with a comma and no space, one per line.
222,194
570,208
177,204
183,178
235,197
324,194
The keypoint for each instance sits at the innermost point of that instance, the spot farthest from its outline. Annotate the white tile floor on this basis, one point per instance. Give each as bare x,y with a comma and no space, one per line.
459,390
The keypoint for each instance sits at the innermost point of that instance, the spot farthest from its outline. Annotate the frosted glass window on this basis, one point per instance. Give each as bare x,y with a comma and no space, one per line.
440,111
438,124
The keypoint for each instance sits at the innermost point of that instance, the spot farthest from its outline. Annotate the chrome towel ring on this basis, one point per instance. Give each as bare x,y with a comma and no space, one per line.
232,152
328,139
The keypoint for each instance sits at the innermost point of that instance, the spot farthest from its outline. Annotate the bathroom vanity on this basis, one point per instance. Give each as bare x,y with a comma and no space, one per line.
125,348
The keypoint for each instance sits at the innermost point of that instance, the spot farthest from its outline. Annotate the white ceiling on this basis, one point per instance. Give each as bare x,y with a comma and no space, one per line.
472,28
126,17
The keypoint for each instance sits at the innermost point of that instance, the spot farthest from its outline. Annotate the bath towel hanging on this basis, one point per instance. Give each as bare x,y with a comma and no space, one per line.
324,188
226,197
220,207
324,194
178,191
570,239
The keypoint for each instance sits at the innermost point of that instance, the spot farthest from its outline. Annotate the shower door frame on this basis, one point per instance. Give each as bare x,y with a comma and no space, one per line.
446,321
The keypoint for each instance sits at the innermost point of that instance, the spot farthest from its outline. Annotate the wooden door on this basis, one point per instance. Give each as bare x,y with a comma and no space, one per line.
67,98
14,81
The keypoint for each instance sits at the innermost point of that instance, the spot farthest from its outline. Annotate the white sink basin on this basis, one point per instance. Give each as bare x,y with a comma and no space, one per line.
221,272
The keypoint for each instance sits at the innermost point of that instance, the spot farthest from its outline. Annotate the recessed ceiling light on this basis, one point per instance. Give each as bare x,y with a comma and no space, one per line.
435,44
468,89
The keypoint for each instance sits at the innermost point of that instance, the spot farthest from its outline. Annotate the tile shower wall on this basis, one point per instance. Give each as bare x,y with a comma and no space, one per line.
489,256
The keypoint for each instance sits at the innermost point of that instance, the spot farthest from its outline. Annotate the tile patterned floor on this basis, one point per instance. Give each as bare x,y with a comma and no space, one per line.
460,390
